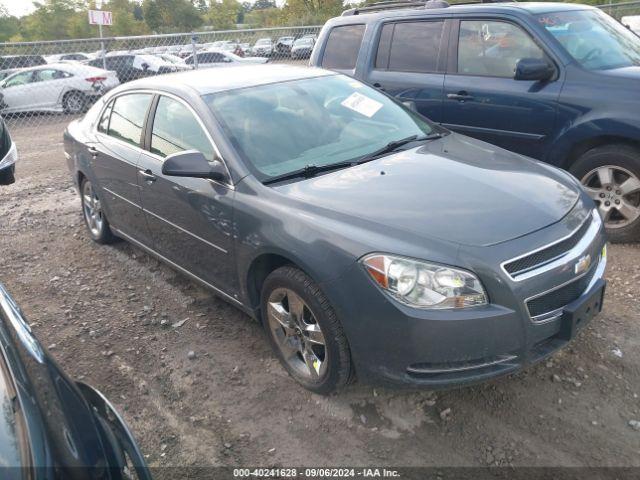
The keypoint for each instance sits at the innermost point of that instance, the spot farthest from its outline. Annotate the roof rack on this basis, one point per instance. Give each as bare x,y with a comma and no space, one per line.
397,4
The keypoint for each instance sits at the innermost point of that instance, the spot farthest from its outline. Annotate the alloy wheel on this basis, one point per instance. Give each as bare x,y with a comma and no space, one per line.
92,210
75,103
297,334
616,191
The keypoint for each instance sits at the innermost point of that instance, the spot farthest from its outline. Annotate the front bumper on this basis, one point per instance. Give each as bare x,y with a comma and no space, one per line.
392,343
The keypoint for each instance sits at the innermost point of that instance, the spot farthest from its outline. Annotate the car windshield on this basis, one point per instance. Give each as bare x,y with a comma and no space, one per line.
284,127
593,38
303,41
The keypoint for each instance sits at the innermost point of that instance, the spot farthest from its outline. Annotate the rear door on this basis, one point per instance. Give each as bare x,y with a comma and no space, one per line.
49,86
115,159
409,61
190,219
483,100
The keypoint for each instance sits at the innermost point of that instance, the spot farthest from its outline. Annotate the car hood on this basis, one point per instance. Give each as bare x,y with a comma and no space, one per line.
456,189
623,72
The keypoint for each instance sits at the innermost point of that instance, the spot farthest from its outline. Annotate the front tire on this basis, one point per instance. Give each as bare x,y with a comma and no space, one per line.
611,176
94,217
304,331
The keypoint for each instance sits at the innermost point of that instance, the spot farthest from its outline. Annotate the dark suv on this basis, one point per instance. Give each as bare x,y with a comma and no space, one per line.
556,82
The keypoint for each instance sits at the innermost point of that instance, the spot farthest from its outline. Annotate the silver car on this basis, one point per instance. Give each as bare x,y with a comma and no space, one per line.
59,87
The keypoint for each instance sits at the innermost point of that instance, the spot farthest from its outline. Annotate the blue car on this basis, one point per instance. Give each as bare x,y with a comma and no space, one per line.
553,81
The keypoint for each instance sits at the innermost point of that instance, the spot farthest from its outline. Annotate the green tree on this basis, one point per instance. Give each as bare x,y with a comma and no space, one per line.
223,14
9,25
171,15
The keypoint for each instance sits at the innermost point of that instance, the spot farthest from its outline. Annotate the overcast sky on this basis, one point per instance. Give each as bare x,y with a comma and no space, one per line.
18,7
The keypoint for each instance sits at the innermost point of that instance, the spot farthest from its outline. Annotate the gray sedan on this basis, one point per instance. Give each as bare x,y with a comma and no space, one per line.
366,239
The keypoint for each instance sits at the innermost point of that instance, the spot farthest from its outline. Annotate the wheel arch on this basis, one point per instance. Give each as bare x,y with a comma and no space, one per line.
587,144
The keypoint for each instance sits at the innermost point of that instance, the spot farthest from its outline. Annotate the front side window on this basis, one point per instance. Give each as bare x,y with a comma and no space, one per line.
343,45
493,48
594,39
283,127
176,129
127,117
19,79
410,46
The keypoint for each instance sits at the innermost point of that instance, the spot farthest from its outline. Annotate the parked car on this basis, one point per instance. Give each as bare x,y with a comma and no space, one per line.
132,67
77,56
221,58
174,59
51,426
554,81
57,87
302,48
283,45
366,238
8,156
262,48
12,63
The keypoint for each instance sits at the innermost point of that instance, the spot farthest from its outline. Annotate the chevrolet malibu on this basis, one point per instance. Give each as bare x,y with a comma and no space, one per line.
366,239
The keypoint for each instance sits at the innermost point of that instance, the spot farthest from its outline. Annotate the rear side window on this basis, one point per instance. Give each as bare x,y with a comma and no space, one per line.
410,47
103,124
127,117
343,45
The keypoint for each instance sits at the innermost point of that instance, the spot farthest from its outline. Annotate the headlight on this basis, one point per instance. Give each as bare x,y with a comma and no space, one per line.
10,158
425,285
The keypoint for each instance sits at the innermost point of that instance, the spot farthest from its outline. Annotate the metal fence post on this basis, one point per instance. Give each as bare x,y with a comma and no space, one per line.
194,38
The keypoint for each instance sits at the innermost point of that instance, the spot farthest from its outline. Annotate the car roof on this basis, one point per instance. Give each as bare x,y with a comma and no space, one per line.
206,81
534,8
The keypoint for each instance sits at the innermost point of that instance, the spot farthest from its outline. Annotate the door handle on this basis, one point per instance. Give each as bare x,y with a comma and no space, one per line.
93,151
379,87
460,96
147,175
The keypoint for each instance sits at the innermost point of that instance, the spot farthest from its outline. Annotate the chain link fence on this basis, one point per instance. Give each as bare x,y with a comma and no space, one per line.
53,81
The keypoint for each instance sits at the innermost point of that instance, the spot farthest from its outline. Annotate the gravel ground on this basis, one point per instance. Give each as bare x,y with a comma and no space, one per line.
110,316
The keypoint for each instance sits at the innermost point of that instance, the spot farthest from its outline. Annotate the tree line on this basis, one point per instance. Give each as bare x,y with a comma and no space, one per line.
68,19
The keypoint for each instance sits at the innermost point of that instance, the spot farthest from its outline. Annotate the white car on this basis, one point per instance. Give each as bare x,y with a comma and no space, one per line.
76,56
263,47
220,58
58,87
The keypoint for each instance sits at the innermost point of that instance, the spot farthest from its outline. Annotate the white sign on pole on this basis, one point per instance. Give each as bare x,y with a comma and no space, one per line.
99,17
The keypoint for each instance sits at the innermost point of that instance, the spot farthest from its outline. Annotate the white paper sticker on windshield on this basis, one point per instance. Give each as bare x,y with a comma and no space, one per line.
363,105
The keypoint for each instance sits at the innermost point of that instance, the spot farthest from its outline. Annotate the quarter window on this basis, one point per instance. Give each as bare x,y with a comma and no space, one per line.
103,124
410,47
343,45
175,129
127,117
493,48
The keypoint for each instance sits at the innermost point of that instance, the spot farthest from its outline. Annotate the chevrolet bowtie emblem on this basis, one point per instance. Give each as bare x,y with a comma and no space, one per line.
582,264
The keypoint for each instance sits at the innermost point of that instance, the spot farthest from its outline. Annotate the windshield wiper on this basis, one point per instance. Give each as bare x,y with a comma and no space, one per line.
308,171
395,144
312,170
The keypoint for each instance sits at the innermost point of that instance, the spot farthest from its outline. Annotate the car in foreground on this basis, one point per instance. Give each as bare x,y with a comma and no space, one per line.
365,238
58,87
553,81
51,426
221,58
8,156
302,48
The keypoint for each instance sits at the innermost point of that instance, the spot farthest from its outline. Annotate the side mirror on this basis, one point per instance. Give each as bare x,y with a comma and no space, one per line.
192,163
145,66
411,105
534,69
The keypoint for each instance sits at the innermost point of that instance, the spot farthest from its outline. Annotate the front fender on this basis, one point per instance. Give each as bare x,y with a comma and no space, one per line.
591,130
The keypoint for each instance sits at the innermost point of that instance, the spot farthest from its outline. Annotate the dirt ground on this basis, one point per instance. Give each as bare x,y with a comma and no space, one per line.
106,313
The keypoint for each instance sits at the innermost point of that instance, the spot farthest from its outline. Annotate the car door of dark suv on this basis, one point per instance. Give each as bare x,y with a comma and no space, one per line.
481,97
408,61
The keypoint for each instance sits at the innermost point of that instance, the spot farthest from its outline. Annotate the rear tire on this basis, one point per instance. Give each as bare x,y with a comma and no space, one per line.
94,217
74,103
304,331
611,176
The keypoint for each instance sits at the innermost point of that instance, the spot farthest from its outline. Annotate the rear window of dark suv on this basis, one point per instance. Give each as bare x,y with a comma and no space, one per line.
342,47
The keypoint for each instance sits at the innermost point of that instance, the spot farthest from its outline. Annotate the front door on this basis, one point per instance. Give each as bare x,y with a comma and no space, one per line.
115,157
410,64
483,100
190,219
17,93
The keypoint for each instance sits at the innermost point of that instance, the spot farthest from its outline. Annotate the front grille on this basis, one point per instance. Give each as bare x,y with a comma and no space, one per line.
548,254
562,296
